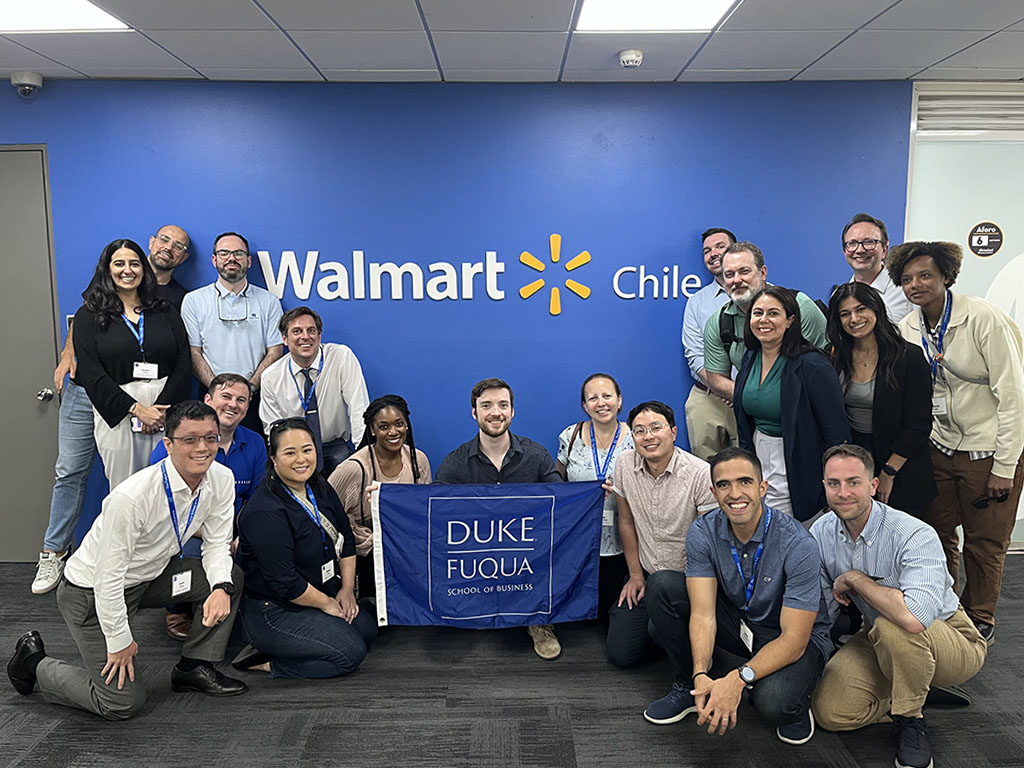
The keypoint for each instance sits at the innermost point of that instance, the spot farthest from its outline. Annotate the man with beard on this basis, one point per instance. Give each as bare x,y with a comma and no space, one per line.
496,455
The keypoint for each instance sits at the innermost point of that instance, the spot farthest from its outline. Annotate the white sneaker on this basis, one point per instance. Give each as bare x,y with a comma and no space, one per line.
545,644
48,572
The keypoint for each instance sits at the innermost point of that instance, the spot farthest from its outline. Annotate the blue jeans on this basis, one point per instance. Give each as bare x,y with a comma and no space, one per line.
307,643
76,450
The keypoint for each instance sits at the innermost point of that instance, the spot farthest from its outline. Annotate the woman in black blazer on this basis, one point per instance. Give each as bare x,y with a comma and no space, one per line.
888,394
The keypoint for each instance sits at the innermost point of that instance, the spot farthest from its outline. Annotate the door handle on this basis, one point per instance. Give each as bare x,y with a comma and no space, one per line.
44,395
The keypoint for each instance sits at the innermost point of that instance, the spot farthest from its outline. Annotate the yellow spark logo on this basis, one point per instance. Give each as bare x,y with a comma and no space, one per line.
555,248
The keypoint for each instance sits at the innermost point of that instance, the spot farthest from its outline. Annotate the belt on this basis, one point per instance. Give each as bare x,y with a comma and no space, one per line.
701,386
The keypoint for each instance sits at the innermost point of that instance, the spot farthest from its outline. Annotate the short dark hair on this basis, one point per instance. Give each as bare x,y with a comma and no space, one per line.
714,231
654,406
749,247
187,410
730,454
226,380
294,314
590,378
482,386
853,451
863,218
222,235
793,342
948,258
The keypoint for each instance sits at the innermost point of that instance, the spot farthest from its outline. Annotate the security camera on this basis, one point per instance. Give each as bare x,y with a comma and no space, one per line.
27,83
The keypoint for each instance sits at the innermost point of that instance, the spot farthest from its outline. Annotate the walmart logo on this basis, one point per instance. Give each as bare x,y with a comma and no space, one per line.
555,295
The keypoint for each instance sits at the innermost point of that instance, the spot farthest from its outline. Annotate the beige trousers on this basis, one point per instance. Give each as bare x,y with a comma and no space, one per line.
710,423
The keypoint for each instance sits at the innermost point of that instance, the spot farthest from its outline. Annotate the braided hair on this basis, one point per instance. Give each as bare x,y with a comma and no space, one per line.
369,438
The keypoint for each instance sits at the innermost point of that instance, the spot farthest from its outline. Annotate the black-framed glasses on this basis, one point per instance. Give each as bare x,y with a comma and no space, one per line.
224,253
868,245
176,245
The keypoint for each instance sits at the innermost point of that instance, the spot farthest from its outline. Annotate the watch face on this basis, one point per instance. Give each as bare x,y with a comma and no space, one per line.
747,674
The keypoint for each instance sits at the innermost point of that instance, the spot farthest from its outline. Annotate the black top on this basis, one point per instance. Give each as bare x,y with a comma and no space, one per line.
173,293
525,462
281,549
106,359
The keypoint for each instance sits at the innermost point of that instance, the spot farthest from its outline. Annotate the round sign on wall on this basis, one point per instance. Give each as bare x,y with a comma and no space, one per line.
985,239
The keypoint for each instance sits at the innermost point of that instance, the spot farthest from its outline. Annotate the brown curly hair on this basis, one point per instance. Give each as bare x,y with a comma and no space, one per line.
947,256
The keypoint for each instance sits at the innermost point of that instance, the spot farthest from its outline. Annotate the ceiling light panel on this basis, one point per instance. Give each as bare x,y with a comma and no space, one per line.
55,16
651,15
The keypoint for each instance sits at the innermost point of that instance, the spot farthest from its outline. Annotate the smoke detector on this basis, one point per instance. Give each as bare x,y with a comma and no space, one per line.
631,58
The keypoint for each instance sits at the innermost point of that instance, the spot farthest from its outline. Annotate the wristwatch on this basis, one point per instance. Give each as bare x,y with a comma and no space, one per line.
747,675
227,586
889,469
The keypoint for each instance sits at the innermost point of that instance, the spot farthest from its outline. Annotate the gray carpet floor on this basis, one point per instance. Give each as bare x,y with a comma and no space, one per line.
442,697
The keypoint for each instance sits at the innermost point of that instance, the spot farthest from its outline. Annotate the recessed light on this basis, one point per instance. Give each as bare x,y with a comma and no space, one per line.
55,16
651,15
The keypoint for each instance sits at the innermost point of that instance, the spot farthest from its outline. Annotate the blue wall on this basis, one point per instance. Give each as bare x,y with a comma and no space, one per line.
445,173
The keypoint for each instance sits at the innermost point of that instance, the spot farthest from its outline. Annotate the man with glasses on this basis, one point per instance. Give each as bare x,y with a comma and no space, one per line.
660,489
76,445
129,560
865,246
232,324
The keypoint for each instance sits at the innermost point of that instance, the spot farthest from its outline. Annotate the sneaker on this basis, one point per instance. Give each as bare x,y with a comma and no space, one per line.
914,749
48,572
545,644
987,631
671,708
799,732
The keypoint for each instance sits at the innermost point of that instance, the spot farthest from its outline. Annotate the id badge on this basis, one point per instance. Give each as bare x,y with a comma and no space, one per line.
327,571
145,371
939,406
608,517
181,583
747,635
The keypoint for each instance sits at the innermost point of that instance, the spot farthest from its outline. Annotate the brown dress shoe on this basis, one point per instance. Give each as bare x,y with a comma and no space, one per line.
178,625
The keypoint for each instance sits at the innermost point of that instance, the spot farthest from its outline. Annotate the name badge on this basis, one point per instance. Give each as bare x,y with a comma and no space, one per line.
181,583
939,406
608,516
144,370
747,635
327,571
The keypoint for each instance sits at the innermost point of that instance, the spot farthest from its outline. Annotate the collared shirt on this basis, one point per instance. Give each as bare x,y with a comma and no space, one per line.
897,305
788,576
699,307
340,392
894,549
133,540
525,462
664,507
246,457
232,346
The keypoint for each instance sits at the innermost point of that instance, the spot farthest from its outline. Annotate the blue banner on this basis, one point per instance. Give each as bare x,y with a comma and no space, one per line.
487,556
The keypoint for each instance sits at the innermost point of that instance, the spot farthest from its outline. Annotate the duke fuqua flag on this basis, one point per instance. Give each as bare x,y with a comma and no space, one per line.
487,556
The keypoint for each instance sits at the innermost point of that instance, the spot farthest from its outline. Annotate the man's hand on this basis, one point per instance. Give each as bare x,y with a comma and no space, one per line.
608,487
843,585
67,365
632,591
347,602
717,701
999,486
119,664
216,608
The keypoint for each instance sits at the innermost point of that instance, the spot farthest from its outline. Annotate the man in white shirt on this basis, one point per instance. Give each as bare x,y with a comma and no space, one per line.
131,559
865,246
322,383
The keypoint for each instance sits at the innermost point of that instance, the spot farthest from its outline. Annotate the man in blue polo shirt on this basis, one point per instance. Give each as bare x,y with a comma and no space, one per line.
755,605
239,449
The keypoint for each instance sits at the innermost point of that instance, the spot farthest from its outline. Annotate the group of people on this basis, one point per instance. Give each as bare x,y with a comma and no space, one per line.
900,396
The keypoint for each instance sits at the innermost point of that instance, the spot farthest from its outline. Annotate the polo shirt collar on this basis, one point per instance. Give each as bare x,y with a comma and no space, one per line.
725,530
222,291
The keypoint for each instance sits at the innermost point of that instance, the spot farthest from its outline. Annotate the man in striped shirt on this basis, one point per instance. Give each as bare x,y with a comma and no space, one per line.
915,633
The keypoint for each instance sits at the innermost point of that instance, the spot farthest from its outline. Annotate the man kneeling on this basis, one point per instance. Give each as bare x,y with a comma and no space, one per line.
131,559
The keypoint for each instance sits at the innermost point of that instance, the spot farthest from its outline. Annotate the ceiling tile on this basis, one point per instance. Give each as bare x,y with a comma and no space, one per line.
943,14
736,75
862,73
1005,49
147,73
501,75
498,15
50,70
367,50
803,14
187,14
232,49
964,73
379,76
620,75
500,50
896,48
259,75
14,56
379,15
661,50
98,49
765,50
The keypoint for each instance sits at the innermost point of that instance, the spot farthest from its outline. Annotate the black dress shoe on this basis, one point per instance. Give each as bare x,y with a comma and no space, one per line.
29,645
947,696
206,679
249,657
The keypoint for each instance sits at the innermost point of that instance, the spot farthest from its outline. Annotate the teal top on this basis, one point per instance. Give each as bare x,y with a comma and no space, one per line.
762,400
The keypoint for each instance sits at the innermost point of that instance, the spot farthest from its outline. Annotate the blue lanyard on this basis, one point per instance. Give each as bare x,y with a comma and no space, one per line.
936,361
312,514
139,334
304,401
174,512
757,558
602,469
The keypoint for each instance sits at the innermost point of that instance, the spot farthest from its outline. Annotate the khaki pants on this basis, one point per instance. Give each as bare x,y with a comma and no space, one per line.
888,670
710,423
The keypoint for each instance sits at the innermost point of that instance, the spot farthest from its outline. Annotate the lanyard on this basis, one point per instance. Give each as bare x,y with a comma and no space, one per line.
757,558
936,361
174,512
304,401
602,469
139,334
313,514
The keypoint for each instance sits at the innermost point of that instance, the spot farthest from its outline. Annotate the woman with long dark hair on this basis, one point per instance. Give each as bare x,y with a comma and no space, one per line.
788,403
887,389
299,612
133,357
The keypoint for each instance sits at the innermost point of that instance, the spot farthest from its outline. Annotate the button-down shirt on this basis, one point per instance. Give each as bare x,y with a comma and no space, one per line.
133,540
894,549
341,395
232,345
788,575
525,462
664,507
699,307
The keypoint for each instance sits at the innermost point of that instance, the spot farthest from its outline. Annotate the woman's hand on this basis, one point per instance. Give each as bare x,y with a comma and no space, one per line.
885,482
348,605
151,416
368,491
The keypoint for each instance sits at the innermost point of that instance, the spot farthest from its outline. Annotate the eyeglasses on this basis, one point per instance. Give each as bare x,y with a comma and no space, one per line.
233,315
653,429
867,245
193,440
982,502
176,245
223,254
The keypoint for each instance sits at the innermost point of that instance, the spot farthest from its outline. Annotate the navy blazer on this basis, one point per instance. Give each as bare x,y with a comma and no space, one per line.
813,420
